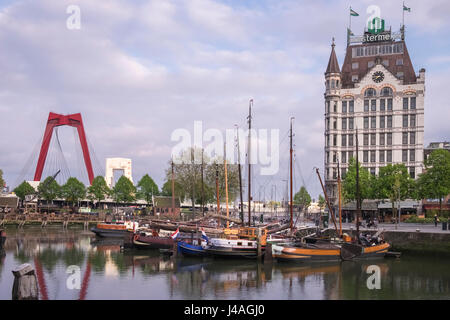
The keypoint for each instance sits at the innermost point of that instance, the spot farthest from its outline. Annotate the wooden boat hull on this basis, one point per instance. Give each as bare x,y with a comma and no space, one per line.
151,242
2,239
377,251
191,250
303,254
110,233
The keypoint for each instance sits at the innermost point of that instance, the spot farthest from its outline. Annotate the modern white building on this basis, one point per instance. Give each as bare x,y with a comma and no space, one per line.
113,164
378,92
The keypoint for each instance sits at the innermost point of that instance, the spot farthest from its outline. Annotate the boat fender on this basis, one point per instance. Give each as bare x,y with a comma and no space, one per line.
135,237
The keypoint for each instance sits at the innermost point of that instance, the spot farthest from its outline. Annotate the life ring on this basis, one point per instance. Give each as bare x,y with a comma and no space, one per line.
135,237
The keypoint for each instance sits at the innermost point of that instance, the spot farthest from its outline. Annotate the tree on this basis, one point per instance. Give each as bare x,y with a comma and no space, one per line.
124,190
23,190
98,190
394,183
302,198
366,182
2,182
73,190
321,201
147,188
435,181
49,189
166,190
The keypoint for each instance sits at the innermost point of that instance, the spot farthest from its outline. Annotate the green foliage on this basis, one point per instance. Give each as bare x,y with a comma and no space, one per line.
73,190
435,181
302,198
415,219
321,201
188,178
23,190
124,190
2,181
394,183
147,188
49,189
366,183
99,189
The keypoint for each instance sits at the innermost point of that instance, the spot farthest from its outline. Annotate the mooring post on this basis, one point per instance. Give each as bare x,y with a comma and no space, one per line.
268,253
175,250
258,244
25,285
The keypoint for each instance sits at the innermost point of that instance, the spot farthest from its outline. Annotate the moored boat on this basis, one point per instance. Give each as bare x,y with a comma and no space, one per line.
153,240
306,252
120,230
2,238
196,247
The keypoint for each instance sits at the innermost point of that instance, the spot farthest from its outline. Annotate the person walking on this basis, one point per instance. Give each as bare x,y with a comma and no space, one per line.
435,220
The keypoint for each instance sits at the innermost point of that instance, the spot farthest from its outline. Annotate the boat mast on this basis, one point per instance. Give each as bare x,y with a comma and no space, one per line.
217,193
290,176
226,181
203,191
249,159
358,193
240,176
340,199
326,199
173,191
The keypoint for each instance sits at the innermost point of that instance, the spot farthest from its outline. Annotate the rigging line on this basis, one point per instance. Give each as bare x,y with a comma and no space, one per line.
28,164
64,165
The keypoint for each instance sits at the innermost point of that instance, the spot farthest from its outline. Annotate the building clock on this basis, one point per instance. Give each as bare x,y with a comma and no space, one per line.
378,76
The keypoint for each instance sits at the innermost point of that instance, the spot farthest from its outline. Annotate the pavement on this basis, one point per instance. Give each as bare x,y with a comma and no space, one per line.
402,227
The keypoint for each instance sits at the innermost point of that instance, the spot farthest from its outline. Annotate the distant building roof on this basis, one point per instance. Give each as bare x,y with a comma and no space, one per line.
366,205
165,202
10,201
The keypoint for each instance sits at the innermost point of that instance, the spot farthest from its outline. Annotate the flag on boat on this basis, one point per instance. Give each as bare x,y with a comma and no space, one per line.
204,236
175,234
353,12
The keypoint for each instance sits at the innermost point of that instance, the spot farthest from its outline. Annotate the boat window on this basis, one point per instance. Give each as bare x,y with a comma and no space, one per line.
239,243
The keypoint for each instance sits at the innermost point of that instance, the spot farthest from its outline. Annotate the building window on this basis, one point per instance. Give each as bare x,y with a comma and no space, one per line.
373,122
413,102
382,139
344,140
412,120
372,171
381,155
366,122
328,140
350,155
327,158
334,157
350,140
328,106
354,78
412,138
344,156
366,156
373,105
386,63
344,123
389,156
366,105
334,140
405,138
405,121
399,62
389,139
412,155
372,156
373,139
370,92
350,123
412,173
400,75
344,106
370,64
382,123
389,122
382,104
355,65
386,92
351,106
405,103
405,155
334,174
335,107
366,139
389,105
334,124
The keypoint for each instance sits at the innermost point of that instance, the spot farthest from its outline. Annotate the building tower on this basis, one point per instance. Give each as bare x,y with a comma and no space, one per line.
377,92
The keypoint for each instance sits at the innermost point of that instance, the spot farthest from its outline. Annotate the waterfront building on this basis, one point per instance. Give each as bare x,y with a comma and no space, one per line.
435,146
378,92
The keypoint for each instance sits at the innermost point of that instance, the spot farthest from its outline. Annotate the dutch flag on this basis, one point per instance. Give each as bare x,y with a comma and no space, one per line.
204,236
175,234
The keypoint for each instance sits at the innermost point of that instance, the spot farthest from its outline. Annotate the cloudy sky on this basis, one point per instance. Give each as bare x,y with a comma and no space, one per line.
138,70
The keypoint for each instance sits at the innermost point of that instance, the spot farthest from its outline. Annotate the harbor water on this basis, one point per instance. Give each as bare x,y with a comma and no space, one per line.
73,264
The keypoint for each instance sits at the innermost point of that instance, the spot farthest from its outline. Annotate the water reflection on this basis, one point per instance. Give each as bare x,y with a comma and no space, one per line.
109,272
